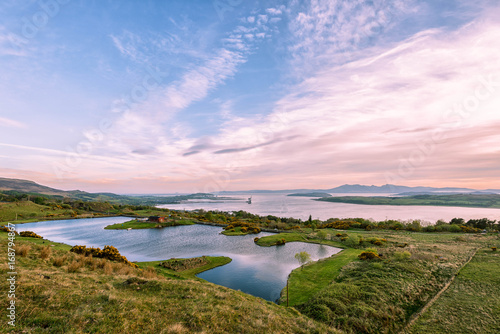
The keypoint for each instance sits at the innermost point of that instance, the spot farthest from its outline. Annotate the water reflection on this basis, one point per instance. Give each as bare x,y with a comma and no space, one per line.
260,271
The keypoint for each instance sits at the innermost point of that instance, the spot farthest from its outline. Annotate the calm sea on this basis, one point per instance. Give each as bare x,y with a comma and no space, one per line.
301,207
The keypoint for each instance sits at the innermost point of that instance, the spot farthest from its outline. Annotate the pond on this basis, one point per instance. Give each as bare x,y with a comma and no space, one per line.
260,271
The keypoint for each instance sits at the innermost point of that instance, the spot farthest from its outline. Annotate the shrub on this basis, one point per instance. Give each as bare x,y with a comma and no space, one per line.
74,266
402,256
108,268
351,242
184,264
4,228
59,261
109,252
338,224
494,249
256,230
23,250
368,255
45,252
281,242
468,229
149,272
30,234
377,241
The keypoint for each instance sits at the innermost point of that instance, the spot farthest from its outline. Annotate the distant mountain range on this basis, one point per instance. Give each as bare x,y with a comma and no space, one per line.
25,186
362,189
16,186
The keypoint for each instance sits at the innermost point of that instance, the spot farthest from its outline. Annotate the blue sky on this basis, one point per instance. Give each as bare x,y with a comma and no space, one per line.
166,96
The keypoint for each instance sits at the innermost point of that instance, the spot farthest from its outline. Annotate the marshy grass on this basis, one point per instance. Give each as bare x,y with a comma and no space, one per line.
23,250
59,260
45,252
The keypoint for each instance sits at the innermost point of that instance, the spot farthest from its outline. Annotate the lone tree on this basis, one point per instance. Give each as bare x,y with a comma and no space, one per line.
303,257
322,235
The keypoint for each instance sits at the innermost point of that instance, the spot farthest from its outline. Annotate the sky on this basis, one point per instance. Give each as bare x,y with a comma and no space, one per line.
213,95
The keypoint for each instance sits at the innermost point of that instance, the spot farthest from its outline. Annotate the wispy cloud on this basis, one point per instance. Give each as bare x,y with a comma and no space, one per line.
344,117
326,30
10,123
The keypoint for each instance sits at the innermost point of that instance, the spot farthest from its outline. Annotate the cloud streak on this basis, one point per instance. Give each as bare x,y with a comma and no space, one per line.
10,123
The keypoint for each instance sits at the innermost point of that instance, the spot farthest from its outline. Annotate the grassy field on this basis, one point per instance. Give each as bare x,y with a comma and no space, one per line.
458,200
306,281
28,211
381,295
137,225
62,292
472,302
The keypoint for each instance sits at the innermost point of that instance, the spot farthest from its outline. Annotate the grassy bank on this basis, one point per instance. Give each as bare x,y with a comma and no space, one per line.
62,292
306,281
137,225
472,302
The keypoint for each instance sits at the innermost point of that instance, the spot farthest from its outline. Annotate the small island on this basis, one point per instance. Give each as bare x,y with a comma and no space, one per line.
151,222
314,194
186,268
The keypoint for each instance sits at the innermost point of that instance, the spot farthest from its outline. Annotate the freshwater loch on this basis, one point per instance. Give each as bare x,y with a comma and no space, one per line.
259,271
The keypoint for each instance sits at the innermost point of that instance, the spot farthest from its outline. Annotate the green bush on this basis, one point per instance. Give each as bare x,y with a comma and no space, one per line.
281,242
402,256
351,242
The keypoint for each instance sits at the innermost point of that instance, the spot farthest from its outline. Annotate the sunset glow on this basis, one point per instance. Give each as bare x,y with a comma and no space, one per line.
206,96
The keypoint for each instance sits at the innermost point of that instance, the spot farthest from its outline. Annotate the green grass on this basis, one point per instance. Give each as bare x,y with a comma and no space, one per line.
137,225
379,296
133,224
472,302
272,240
306,281
37,241
29,211
88,295
457,200
237,231
214,261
